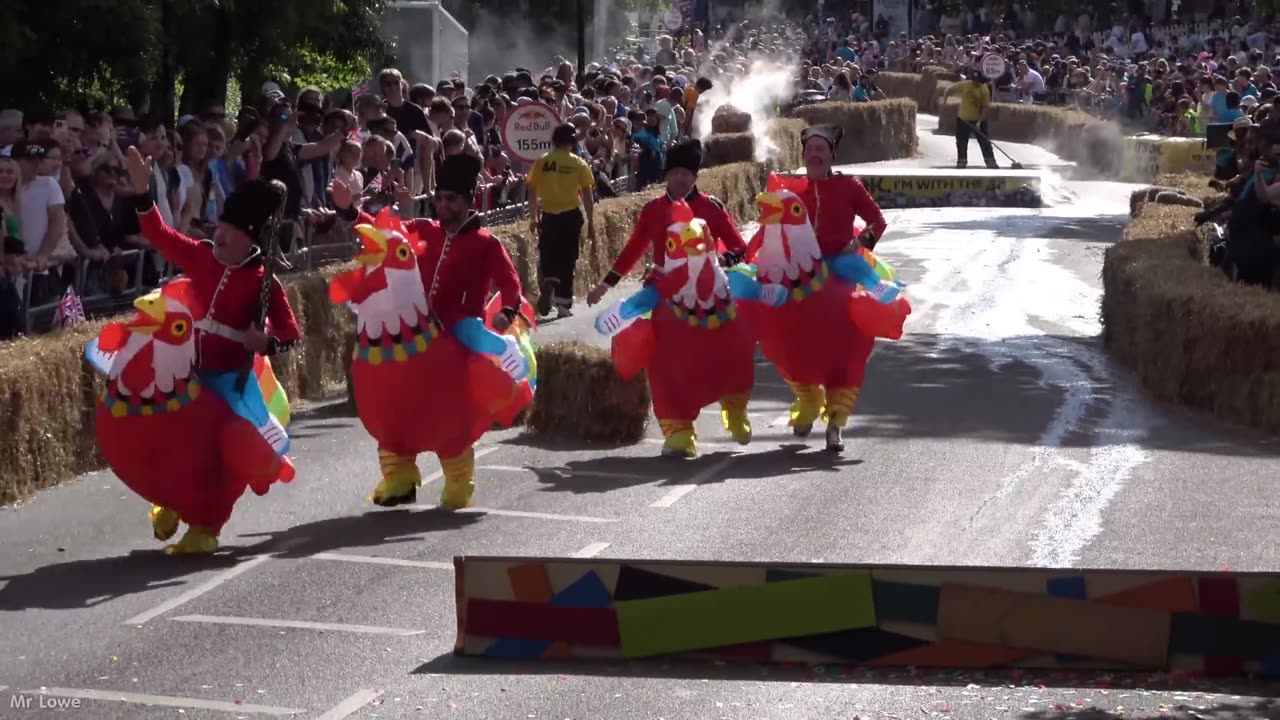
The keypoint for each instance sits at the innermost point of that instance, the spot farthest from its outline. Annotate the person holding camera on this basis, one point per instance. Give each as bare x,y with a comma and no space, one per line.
1251,254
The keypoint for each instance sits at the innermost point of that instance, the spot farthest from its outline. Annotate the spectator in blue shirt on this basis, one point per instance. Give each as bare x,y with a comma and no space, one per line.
1244,83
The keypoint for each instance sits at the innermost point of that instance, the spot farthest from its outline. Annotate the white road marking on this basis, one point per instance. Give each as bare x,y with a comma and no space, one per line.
536,515
347,707
297,624
678,491
163,701
591,550
504,468
375,560
773,385
480,452
196,592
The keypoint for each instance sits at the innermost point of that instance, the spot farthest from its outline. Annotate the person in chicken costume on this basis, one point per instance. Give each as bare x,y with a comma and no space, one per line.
169,439
429,374
817,316
694,347
244,313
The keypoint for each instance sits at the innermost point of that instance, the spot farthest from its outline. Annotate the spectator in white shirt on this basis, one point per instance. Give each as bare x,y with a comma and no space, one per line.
1030,82
41,207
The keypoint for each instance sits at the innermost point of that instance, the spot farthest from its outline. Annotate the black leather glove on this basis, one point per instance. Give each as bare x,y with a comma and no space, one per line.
729,259
868,239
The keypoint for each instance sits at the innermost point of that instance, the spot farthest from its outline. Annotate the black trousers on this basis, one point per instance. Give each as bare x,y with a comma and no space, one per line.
965,130
558,240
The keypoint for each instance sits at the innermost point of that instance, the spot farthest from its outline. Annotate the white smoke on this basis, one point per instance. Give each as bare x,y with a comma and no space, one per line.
767,82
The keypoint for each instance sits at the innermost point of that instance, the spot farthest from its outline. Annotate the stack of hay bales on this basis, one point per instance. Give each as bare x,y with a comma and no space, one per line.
731,139
873,131
923,87
729,119
1189,335
581,397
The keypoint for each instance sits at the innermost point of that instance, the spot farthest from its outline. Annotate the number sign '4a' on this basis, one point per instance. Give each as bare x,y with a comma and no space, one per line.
526,133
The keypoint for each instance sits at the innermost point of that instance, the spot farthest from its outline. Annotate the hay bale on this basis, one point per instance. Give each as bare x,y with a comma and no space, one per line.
728,148
785,133
874,131
580,397
1179,324
728,119
47,403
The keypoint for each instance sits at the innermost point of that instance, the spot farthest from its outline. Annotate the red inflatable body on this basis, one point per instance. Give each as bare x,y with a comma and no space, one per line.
696,357
170,439
417,388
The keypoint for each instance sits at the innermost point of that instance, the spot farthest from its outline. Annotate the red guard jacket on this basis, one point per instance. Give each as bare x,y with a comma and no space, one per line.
833,204
228,295
650,232
458,283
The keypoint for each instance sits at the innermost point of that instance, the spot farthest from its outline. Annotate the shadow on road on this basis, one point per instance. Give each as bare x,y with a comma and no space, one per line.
373,528
599,475
86,583
1032,224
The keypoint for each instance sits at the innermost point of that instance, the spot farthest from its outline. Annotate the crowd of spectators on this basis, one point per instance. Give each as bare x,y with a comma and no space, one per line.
1173,78
66,223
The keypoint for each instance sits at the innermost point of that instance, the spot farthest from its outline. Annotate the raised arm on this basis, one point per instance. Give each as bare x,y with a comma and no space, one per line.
177,248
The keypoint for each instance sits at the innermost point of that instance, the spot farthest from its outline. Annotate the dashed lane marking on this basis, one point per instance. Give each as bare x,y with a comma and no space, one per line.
523,514
297,625
481,452
349,706
591,550
678,491
196,592
163,701
376,560
572,473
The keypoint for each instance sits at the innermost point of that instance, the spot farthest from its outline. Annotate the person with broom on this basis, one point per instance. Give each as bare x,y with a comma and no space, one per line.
235,290
971,118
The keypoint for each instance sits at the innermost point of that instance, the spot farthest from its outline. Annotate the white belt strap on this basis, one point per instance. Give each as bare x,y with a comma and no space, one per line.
214,327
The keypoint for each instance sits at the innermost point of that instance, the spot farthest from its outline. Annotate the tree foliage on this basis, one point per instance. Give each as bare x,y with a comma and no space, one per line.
59,53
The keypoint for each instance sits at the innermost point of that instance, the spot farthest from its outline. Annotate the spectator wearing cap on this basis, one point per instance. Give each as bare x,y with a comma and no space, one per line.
41,207
560,188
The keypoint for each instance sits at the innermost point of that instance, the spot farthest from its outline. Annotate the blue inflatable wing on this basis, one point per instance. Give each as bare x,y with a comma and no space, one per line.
853,269
473,334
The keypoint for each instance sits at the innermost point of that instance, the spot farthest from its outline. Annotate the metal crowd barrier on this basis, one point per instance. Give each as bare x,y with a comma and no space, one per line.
40,317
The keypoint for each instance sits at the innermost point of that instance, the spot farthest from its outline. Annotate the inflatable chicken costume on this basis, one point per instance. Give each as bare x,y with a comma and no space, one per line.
694,347
419,387
169,438
816,324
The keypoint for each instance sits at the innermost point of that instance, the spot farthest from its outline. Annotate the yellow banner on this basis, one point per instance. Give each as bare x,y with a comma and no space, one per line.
1148,156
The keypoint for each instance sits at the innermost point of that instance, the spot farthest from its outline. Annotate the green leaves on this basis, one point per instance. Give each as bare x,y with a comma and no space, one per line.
64,53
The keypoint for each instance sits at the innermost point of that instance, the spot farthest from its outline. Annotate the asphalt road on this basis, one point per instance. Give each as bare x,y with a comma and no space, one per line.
996,432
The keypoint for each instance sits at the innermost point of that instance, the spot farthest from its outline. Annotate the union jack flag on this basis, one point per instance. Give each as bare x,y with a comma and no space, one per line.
70,310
